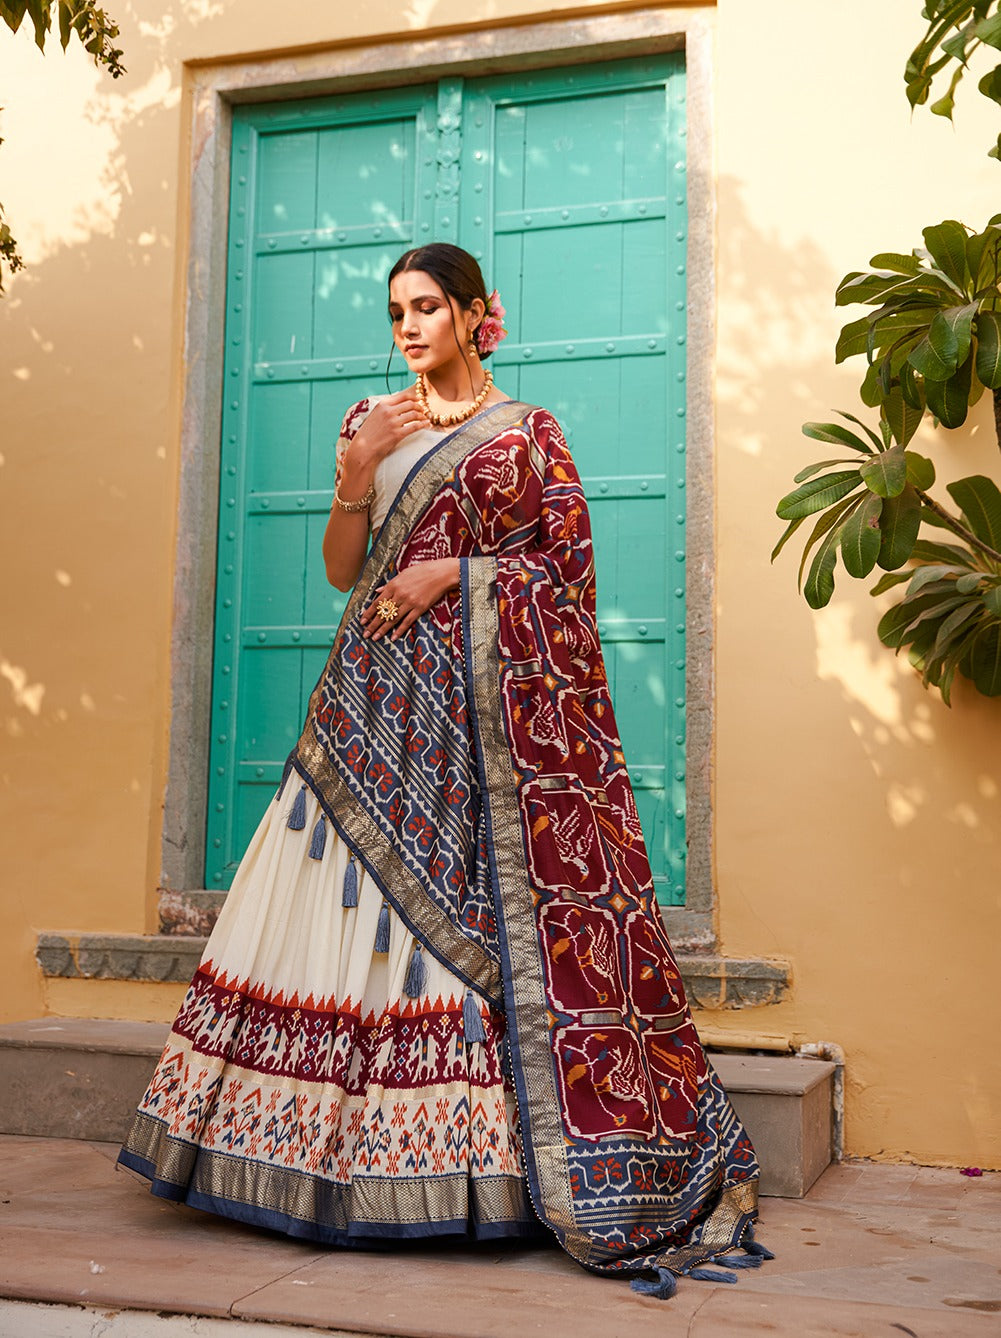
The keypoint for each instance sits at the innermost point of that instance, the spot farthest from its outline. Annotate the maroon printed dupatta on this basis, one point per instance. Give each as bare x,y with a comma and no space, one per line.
476,770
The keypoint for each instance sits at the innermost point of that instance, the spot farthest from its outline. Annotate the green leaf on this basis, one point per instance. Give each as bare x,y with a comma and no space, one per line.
853,339
988,30
787,534
886,473
989,349
957,45
819,585
969,582
949,400
931,358
985,661
956,657
892,627
895,261
951,625
937,607
818,494
976,246
860,537
992,598
888,580
827,521
909,317
912,390
834,432
990,84
903,421
926,550
870,392
870,288
933,571
898,526
920,470
958,321
946,104
947,243
980,502
813,469
867,430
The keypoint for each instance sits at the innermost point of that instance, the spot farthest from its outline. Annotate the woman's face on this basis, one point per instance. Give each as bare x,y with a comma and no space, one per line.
429,328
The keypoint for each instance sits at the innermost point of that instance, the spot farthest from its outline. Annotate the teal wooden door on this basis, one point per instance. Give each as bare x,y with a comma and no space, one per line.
569,186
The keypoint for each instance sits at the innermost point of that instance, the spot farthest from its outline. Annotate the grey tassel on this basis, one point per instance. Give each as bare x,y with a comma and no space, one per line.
664,1288
349,896
417,975
319,841
297,818
472,1019
382,929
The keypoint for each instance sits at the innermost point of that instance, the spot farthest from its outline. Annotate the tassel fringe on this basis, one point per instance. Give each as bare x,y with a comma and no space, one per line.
382,929
319,841
472,1020
711,1275
349,895
417,975
753,1246
663,1289
297,818
740,1260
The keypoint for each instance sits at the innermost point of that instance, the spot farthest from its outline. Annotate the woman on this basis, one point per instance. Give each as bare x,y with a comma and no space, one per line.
439,999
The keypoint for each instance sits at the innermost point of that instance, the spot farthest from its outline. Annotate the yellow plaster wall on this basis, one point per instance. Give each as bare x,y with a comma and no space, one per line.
855,817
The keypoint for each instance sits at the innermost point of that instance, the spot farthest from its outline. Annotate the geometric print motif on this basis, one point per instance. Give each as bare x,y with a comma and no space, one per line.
392,720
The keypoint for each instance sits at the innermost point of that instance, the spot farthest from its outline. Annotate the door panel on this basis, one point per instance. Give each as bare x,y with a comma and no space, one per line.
569,186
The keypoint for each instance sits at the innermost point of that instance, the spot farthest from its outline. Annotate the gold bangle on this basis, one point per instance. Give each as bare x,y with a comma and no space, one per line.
362,504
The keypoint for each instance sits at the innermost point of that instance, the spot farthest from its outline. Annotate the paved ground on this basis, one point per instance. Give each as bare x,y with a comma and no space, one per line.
872,1251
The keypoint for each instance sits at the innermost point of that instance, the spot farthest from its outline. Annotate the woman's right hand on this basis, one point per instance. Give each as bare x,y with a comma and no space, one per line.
392,419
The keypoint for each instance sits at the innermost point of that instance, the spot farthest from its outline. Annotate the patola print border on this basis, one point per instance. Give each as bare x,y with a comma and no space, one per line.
352,822
546,1164
547,1169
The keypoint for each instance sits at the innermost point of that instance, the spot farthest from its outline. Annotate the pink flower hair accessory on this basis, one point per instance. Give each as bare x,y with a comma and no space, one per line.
490,330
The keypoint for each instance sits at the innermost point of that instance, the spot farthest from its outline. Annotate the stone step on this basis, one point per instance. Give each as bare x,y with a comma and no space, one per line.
75,1077
787,1106
84,1077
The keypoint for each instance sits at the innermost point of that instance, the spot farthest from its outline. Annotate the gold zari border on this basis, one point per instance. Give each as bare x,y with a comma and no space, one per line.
402,887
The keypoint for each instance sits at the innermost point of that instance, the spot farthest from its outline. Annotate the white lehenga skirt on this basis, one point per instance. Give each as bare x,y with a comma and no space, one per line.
304,1088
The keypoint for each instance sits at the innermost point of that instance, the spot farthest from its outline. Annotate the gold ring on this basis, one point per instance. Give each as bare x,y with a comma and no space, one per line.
388,610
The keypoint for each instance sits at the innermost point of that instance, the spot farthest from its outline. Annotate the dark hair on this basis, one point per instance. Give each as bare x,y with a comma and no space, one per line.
454,270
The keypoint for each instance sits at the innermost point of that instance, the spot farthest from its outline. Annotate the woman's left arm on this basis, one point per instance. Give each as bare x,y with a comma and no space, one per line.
413,590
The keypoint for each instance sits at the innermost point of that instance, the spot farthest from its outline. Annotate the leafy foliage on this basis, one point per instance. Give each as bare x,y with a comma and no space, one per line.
956,28
9,253
950,616
870,510
97,32
934,339
80,18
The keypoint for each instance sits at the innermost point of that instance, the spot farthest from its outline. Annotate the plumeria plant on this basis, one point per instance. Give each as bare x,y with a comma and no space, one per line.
932,344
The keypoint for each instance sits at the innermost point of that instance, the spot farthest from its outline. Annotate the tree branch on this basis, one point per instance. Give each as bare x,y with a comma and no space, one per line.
958,527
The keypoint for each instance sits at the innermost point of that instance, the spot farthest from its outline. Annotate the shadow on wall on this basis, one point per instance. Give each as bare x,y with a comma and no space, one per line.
89,171
783,374
886,802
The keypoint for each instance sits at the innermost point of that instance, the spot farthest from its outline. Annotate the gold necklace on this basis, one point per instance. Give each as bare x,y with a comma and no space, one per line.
452,419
